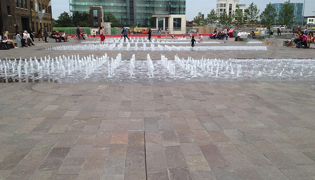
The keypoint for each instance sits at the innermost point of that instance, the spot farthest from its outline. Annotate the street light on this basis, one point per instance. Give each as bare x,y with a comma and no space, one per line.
303,13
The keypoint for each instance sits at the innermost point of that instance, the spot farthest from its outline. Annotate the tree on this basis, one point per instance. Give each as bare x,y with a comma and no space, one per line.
64,20
199,21
252,13
212,17
286,15
240,18
81,19
268,16
109,17
225,21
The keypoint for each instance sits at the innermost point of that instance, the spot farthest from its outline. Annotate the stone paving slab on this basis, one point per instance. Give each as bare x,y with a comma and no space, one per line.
171,131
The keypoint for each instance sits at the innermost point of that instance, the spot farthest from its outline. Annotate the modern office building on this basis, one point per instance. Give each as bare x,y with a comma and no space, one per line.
229,6
132,12
20,15
298,11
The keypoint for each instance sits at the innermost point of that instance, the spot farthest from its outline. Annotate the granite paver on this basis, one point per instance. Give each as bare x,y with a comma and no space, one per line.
158,131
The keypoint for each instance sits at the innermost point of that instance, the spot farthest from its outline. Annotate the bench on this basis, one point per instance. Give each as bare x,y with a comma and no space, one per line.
3,45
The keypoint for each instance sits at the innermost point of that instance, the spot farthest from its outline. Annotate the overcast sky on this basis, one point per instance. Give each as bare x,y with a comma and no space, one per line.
195,6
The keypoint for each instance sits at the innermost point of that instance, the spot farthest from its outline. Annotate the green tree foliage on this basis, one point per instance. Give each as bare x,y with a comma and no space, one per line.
109,17
81,19
240,18
64,20
199,21
268,16
225,21
212,17
252,13
286,16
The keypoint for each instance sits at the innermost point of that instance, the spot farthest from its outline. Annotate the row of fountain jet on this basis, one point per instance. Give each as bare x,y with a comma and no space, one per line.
61,68
152,47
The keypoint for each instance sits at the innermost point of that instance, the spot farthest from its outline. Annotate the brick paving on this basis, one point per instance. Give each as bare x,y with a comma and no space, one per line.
160,131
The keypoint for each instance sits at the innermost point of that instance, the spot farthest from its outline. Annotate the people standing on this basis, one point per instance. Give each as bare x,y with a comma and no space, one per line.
159,34
122,33
149,35
102,34
126,35
32,34
40,34
45,33
192,41
78,32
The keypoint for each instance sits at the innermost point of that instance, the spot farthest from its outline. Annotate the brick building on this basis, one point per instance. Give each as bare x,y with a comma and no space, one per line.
20,15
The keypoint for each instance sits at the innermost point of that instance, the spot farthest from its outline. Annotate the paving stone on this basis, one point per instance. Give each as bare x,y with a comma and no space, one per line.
213,156
225,173
119,139
202,175
158,176
197,163
135,163
169,138
174,157
114,165
155,158
179,173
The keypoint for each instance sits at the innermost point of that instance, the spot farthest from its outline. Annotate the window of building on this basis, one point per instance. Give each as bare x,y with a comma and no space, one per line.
16,3
25,4
221,10
21,3
36,26
33,26
177,24
39,7
43,7
31,5
95,18
224,5
9,10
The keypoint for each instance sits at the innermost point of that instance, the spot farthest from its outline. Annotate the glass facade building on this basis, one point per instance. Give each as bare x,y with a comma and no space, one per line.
298,11
132,12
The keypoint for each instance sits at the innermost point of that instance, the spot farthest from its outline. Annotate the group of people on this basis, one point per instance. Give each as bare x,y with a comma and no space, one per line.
301,39
24,38
219,34
59,36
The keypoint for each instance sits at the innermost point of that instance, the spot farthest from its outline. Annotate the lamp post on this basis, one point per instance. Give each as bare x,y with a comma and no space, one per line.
303,13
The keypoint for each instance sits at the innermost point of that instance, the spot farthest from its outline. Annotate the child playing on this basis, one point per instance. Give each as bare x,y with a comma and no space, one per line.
193,41
201,39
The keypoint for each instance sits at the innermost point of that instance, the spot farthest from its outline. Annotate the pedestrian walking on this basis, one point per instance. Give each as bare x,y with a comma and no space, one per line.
45,34
149,35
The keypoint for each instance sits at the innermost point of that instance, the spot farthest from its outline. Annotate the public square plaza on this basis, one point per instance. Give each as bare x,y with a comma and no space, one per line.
224,110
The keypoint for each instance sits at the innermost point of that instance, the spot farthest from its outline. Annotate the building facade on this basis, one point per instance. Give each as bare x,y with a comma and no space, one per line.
131,12
229,6
20,15
298,11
